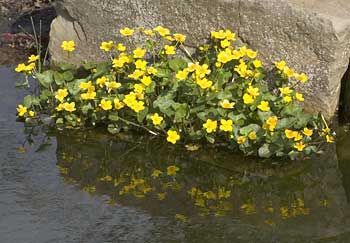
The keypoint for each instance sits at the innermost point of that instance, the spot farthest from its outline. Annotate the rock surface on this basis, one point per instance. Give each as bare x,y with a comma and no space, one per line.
313,36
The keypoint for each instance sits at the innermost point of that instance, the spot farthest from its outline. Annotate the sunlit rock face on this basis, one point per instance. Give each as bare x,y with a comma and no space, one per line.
246,198
312,36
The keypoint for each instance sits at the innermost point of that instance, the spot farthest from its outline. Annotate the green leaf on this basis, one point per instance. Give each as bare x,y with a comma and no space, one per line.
59,121
264,151
177,64
58,77
30,100
113,128
45,78
66,66
162,73
101,69
225,94
164,104
247,129
113,116
237,119
181,111
85,108
68,76
142,114
286,123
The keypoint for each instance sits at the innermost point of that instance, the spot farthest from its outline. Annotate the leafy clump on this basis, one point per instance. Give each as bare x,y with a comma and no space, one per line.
221,93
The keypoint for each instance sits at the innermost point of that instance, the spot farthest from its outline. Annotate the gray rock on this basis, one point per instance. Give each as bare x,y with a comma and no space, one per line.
313,36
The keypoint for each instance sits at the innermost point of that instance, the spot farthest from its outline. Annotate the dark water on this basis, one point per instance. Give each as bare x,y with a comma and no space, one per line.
92,187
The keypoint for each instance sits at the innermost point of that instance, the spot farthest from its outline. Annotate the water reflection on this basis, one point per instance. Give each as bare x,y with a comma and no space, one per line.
305,198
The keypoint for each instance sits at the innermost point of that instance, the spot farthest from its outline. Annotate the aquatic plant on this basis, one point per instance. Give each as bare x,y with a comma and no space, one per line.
220,93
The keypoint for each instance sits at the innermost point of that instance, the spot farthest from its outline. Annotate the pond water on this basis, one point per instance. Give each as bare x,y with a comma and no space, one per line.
71,186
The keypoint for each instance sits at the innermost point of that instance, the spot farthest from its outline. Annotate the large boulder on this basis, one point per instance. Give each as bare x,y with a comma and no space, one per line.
313,36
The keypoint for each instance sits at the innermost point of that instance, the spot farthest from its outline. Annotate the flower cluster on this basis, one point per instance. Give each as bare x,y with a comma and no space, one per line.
218,93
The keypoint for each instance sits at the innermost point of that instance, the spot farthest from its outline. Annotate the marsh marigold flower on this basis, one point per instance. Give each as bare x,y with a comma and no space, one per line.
126,31
241,139
299,146
252,135
156,119
182,74
70,107
106,104
106,46
173,136
179,37
33,58
139,52
210,125
226,125
68,46
226,104
61,94
118,104
299,97
264,106
162,31
248,99
21,110
171,170
307,132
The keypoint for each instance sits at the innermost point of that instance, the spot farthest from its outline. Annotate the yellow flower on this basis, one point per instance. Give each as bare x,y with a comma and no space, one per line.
248,99
230,36
156,119
171,170
204,83
287,99
70,107
112,85
33,58
308,132
329,138
162,31
90,95
85,85
193,66
236,55
68,46
31,113
298,137
21,110
264,106
225,56
118,63
126,32
202,70
179,37
146,80
173,136
210,125
280,65
137,106
181,217
299,146
120,47
241,139
289,72
251,54
286,90
271,123
302,77
60,107
226,125
141,64
118,104
106,46
226,104
218,34
156,173
299,97
139,52
225,43
152,70
61,94
20,67
253,91
136,74
257,64
148,32
105,104
139,88
182,74
101,81
290,133
169,50
252,135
